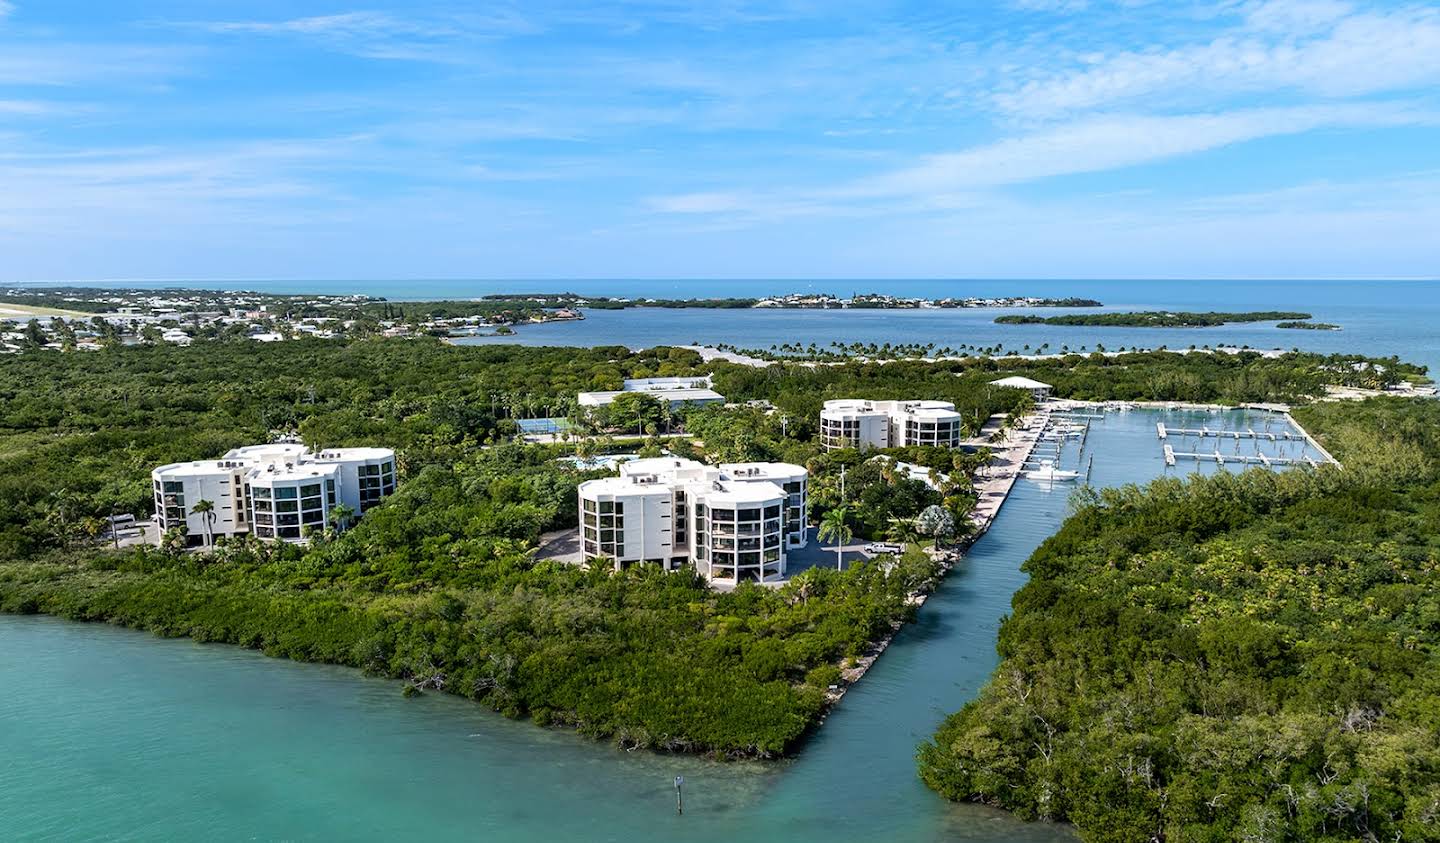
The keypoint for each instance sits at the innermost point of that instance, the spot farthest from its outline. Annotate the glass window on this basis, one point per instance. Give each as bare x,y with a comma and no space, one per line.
260,493
310,490
286,493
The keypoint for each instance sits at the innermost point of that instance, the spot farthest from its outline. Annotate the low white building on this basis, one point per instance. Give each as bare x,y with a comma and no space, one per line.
1040,390
677,391
857,423
732,522
274,491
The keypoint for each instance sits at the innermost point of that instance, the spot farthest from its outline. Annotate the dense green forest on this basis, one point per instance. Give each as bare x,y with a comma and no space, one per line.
1152,319
1239,657
439,585
1308,326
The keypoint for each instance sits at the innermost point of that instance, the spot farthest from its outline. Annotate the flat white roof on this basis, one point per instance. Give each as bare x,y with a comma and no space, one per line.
763,470
651,384
1019,382
658,465
928,409
741,494
303,471
273,451
355,454
198,468
673,395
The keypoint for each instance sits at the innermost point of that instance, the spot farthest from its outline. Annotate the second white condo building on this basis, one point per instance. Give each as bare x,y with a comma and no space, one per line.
274,491
857,423
733,522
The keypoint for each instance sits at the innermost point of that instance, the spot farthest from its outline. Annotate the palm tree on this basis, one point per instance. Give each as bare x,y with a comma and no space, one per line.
207,509
833,527
340,515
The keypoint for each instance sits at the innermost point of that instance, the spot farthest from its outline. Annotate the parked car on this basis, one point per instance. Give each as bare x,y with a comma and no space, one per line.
876,548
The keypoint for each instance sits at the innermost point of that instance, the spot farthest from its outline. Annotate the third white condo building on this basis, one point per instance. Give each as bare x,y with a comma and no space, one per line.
733,522
274,491
857,423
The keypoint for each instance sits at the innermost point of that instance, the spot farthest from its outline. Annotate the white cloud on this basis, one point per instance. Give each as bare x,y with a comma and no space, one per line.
1335,54
1088,146
1109,143
6,9
27,108
344,24
381,35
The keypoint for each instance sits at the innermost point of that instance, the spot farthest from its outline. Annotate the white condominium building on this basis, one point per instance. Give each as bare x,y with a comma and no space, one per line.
675,391
856,423
271,491
733,522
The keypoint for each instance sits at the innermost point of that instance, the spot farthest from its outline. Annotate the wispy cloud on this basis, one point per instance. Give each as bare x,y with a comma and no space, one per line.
381,35
7,8
1112,142
1087,146
1312,46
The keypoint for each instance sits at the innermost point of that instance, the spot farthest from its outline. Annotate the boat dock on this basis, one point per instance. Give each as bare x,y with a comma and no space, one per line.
1171,456
1009,462
1164,432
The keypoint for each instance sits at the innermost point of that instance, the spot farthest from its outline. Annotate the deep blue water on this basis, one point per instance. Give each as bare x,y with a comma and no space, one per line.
1379,318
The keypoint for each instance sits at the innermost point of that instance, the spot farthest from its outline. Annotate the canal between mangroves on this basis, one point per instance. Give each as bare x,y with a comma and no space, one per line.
115,734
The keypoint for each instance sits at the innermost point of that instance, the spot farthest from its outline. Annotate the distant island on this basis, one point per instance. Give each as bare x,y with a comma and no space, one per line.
89,318
1309,326
796,301
1153,319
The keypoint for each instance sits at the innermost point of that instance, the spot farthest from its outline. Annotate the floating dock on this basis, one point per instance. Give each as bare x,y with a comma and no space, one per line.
1164,432
1172,456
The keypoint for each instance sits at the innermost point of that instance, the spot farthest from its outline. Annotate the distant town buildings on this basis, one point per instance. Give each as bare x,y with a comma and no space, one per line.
857,423
676,391
275,492
733,522
1039,390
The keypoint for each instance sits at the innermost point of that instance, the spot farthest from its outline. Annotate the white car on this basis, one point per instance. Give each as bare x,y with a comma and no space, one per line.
877,548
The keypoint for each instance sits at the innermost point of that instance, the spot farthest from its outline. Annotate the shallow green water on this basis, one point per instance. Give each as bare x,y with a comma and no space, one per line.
112,734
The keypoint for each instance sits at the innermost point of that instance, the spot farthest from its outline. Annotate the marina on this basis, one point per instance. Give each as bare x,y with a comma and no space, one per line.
236,722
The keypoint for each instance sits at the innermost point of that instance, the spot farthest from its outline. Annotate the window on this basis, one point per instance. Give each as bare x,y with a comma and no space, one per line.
286,493
772,511
260,493
174,486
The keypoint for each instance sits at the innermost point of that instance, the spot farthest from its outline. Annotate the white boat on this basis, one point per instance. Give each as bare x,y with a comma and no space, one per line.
1048,471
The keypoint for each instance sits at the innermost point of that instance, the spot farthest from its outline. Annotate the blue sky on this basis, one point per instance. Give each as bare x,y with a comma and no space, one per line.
669,138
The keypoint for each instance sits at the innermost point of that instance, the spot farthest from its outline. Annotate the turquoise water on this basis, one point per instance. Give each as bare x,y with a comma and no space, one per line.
111,733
